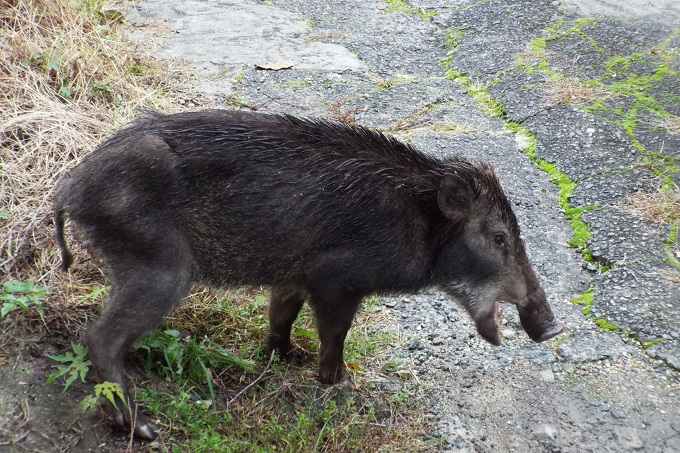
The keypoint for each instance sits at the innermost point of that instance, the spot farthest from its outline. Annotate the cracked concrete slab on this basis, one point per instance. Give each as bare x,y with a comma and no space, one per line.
642,298
581,144
620,237
614,188
667,11
231,33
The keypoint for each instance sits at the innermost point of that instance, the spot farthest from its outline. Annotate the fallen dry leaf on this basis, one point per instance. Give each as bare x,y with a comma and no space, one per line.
276,65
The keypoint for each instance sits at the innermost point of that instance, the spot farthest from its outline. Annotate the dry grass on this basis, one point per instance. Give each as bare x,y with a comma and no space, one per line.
330,36
672,124
662,206
68,77
531,58
573,91
456,128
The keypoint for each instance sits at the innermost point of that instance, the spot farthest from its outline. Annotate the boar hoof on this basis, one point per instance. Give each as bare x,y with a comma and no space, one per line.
295,356
288,352
143,429
333,376
551,331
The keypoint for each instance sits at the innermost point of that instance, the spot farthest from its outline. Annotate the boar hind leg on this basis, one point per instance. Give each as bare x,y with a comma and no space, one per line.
334,315
143,292
284,306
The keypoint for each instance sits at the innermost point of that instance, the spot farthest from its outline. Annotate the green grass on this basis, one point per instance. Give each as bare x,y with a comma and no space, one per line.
194,377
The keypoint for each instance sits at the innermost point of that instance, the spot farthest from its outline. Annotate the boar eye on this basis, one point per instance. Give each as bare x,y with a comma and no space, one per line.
499,239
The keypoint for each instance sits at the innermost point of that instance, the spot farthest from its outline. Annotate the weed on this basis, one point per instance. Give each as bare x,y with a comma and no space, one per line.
661,206
67,83
562,90
394,81
75,365
455,128
109,390
574,378
234,100
415,118
285,411
480,93
21,294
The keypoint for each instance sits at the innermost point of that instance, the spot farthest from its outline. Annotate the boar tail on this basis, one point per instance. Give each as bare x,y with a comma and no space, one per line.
66,257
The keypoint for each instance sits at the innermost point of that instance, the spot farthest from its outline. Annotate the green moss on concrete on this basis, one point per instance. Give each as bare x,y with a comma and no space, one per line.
489,105
585,299
671,244
648,344
605,325
401,6
452,42
527,141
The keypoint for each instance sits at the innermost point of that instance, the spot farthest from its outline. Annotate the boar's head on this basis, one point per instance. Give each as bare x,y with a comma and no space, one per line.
483,260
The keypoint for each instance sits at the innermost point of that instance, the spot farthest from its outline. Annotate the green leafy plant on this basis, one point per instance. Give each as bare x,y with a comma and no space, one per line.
21,294
75,365
109,390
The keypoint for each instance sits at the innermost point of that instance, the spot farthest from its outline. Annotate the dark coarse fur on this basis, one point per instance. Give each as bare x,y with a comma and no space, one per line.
209,175
315,209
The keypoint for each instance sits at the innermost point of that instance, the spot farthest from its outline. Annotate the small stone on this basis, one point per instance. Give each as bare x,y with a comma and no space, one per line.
547,376
466,384
415,344
508,333
546,431
629,438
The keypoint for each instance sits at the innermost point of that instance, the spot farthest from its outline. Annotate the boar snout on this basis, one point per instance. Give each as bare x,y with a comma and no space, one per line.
537,317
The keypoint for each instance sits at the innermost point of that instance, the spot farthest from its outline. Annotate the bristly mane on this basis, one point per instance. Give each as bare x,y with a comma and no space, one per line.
368,149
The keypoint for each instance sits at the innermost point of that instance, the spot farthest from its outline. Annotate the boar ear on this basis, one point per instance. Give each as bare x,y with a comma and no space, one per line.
454,198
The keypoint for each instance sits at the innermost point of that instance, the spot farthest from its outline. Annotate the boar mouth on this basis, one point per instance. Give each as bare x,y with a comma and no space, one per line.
489,326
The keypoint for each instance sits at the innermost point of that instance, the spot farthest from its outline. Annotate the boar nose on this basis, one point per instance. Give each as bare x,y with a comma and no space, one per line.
537,317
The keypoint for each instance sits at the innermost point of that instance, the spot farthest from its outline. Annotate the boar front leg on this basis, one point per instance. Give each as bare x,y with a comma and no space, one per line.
334,315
